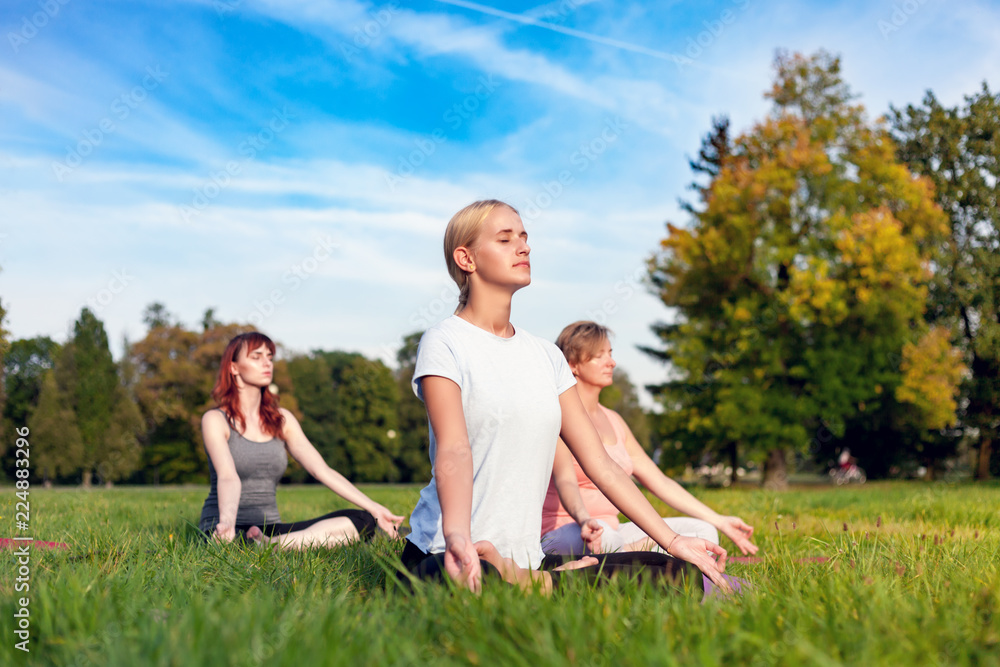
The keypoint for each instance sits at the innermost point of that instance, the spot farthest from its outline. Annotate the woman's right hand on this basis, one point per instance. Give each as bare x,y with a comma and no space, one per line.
590,533
225,532
461,562
696,551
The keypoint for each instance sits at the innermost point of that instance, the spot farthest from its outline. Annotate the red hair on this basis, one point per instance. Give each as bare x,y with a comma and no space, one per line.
227,394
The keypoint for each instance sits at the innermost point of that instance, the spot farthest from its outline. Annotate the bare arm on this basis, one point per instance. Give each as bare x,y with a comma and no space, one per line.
304,452
673,494
453,476
568,490
215,433
582,439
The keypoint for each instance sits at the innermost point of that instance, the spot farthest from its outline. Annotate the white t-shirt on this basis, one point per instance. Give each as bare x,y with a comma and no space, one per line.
510,396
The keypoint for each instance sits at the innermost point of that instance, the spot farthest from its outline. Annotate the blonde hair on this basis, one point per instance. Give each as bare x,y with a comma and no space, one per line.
581,341
463,230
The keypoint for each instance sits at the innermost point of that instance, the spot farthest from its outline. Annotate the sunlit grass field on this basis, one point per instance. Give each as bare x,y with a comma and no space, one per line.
912,578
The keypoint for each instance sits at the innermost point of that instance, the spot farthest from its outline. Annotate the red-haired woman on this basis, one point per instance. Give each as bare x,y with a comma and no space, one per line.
248,438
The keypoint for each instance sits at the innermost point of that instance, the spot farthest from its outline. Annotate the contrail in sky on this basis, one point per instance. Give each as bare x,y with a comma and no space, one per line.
672,57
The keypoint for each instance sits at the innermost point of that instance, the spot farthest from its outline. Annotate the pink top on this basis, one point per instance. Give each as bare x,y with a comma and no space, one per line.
554,515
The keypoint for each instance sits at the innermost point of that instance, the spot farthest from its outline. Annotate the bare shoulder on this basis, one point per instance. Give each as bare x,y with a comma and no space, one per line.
214,421
620,421
615,416
290,425
214,417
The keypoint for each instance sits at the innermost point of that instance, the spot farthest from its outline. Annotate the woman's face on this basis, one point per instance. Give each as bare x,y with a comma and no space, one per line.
254,367
599,369
500,255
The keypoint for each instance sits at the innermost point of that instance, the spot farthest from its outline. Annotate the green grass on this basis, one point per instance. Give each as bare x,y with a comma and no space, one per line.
913,580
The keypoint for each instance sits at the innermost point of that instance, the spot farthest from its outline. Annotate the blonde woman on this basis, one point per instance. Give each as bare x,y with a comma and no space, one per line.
576,517
497,399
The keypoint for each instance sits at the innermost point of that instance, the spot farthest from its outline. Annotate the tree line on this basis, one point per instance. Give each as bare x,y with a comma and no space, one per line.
97,421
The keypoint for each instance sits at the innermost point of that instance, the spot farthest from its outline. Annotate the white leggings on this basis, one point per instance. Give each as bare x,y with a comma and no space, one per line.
566,539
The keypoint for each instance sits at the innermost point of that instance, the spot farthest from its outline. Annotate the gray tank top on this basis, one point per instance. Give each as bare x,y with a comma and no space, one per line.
260,466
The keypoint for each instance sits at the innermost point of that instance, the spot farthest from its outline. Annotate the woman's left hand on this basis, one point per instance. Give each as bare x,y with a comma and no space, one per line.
739,532
703,554
590,533
386,520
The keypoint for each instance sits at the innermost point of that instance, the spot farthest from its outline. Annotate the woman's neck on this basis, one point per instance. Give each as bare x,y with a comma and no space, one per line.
490,312
250,404
589,395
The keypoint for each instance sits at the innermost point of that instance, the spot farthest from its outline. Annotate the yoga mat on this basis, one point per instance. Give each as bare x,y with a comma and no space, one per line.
8,543
758,559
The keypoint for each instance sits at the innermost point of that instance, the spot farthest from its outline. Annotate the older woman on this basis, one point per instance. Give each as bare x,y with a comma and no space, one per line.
577,517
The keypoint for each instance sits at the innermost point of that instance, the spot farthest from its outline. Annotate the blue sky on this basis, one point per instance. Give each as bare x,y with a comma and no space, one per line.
293,164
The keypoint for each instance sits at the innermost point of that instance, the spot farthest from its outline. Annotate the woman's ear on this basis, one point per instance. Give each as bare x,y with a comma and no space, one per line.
463,258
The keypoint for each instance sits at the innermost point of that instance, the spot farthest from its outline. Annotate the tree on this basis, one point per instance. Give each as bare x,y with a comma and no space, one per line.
56,444
958,149
24,366
156,315
801,277
317,399
107,417
367,398
414,436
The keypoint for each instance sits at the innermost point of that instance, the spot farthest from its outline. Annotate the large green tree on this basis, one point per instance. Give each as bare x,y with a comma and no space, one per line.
56,445
108,419
317,399
24,368
801,278
414,437
349,406
958,149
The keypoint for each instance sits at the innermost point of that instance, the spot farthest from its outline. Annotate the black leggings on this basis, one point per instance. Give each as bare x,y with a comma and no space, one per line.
363,521
644,565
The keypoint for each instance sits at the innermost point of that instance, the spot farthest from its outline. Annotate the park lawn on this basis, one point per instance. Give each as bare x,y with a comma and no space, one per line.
912,578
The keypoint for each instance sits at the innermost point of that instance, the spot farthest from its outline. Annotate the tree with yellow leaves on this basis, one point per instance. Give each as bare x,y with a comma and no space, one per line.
801,278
